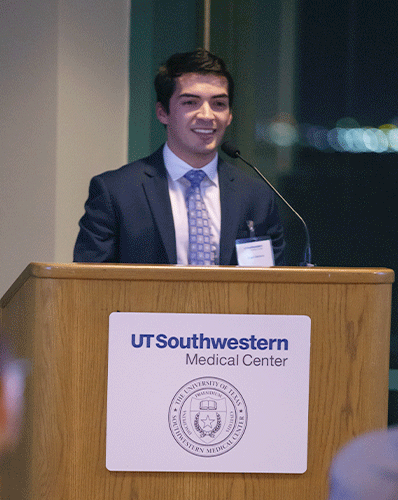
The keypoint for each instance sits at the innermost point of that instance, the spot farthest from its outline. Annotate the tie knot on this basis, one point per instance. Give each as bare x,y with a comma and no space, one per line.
195,177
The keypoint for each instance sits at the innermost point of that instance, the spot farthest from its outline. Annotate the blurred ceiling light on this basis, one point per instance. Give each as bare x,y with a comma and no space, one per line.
317,137
375,140
347,136
392,136
336,139
282,134
347,122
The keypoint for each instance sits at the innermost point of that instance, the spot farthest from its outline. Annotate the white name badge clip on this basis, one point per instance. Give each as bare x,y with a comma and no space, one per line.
255,251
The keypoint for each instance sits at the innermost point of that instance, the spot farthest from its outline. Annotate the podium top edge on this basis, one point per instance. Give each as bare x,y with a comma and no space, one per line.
91,271
209,273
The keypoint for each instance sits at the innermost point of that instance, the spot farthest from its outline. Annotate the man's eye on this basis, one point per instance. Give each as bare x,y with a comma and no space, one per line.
189,103
221,104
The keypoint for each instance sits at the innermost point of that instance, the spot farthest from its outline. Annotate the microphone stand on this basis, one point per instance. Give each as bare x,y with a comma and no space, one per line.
235,153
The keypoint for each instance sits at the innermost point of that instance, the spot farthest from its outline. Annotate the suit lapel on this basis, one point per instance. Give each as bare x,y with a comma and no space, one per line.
230,211
156,188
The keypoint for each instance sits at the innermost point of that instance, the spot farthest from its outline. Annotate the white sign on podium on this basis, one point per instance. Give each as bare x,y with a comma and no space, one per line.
208,392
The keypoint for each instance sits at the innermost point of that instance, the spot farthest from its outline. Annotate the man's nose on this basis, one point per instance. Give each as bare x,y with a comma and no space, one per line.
206,111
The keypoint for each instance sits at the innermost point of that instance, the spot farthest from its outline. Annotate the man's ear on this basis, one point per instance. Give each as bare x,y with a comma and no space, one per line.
161,114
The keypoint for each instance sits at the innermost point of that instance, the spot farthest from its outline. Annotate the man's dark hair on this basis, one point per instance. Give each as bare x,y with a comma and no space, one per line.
199,61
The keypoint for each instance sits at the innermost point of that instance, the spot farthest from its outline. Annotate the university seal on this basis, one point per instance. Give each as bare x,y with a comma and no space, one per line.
208,416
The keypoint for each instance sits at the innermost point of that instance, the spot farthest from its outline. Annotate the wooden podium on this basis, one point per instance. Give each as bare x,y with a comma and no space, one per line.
57,315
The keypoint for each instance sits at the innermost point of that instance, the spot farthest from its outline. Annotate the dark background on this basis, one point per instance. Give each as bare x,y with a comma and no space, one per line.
346,67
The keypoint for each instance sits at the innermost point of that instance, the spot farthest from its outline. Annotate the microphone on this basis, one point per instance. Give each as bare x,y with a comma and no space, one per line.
232,151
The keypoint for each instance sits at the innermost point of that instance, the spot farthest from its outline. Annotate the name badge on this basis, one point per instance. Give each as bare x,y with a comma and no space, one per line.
255,252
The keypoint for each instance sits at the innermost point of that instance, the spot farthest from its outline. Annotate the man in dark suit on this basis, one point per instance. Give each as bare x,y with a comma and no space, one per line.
139,214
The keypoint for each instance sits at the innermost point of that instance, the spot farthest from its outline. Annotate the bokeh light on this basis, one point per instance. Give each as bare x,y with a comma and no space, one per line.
347,136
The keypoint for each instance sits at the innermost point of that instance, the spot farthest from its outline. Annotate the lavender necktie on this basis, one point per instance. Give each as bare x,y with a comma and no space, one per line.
201,251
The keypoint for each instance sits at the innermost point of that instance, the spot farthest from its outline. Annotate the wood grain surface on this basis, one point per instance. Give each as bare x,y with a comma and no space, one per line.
58,317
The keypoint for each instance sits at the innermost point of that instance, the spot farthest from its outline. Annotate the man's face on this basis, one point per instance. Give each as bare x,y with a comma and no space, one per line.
198,117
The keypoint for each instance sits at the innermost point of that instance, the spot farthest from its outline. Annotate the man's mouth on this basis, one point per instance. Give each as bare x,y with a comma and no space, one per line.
204,130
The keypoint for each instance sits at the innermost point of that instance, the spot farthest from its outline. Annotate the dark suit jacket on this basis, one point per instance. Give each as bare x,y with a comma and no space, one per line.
129,218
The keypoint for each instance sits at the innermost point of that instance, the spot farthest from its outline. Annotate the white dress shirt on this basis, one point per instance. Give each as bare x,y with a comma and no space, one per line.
178,185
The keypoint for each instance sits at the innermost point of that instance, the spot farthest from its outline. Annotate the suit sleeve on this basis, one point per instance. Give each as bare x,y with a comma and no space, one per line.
98,235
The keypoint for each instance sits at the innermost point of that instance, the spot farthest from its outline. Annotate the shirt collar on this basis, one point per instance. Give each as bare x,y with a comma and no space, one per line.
177,168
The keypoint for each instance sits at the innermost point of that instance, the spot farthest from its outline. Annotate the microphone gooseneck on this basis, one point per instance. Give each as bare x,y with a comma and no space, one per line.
231,150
